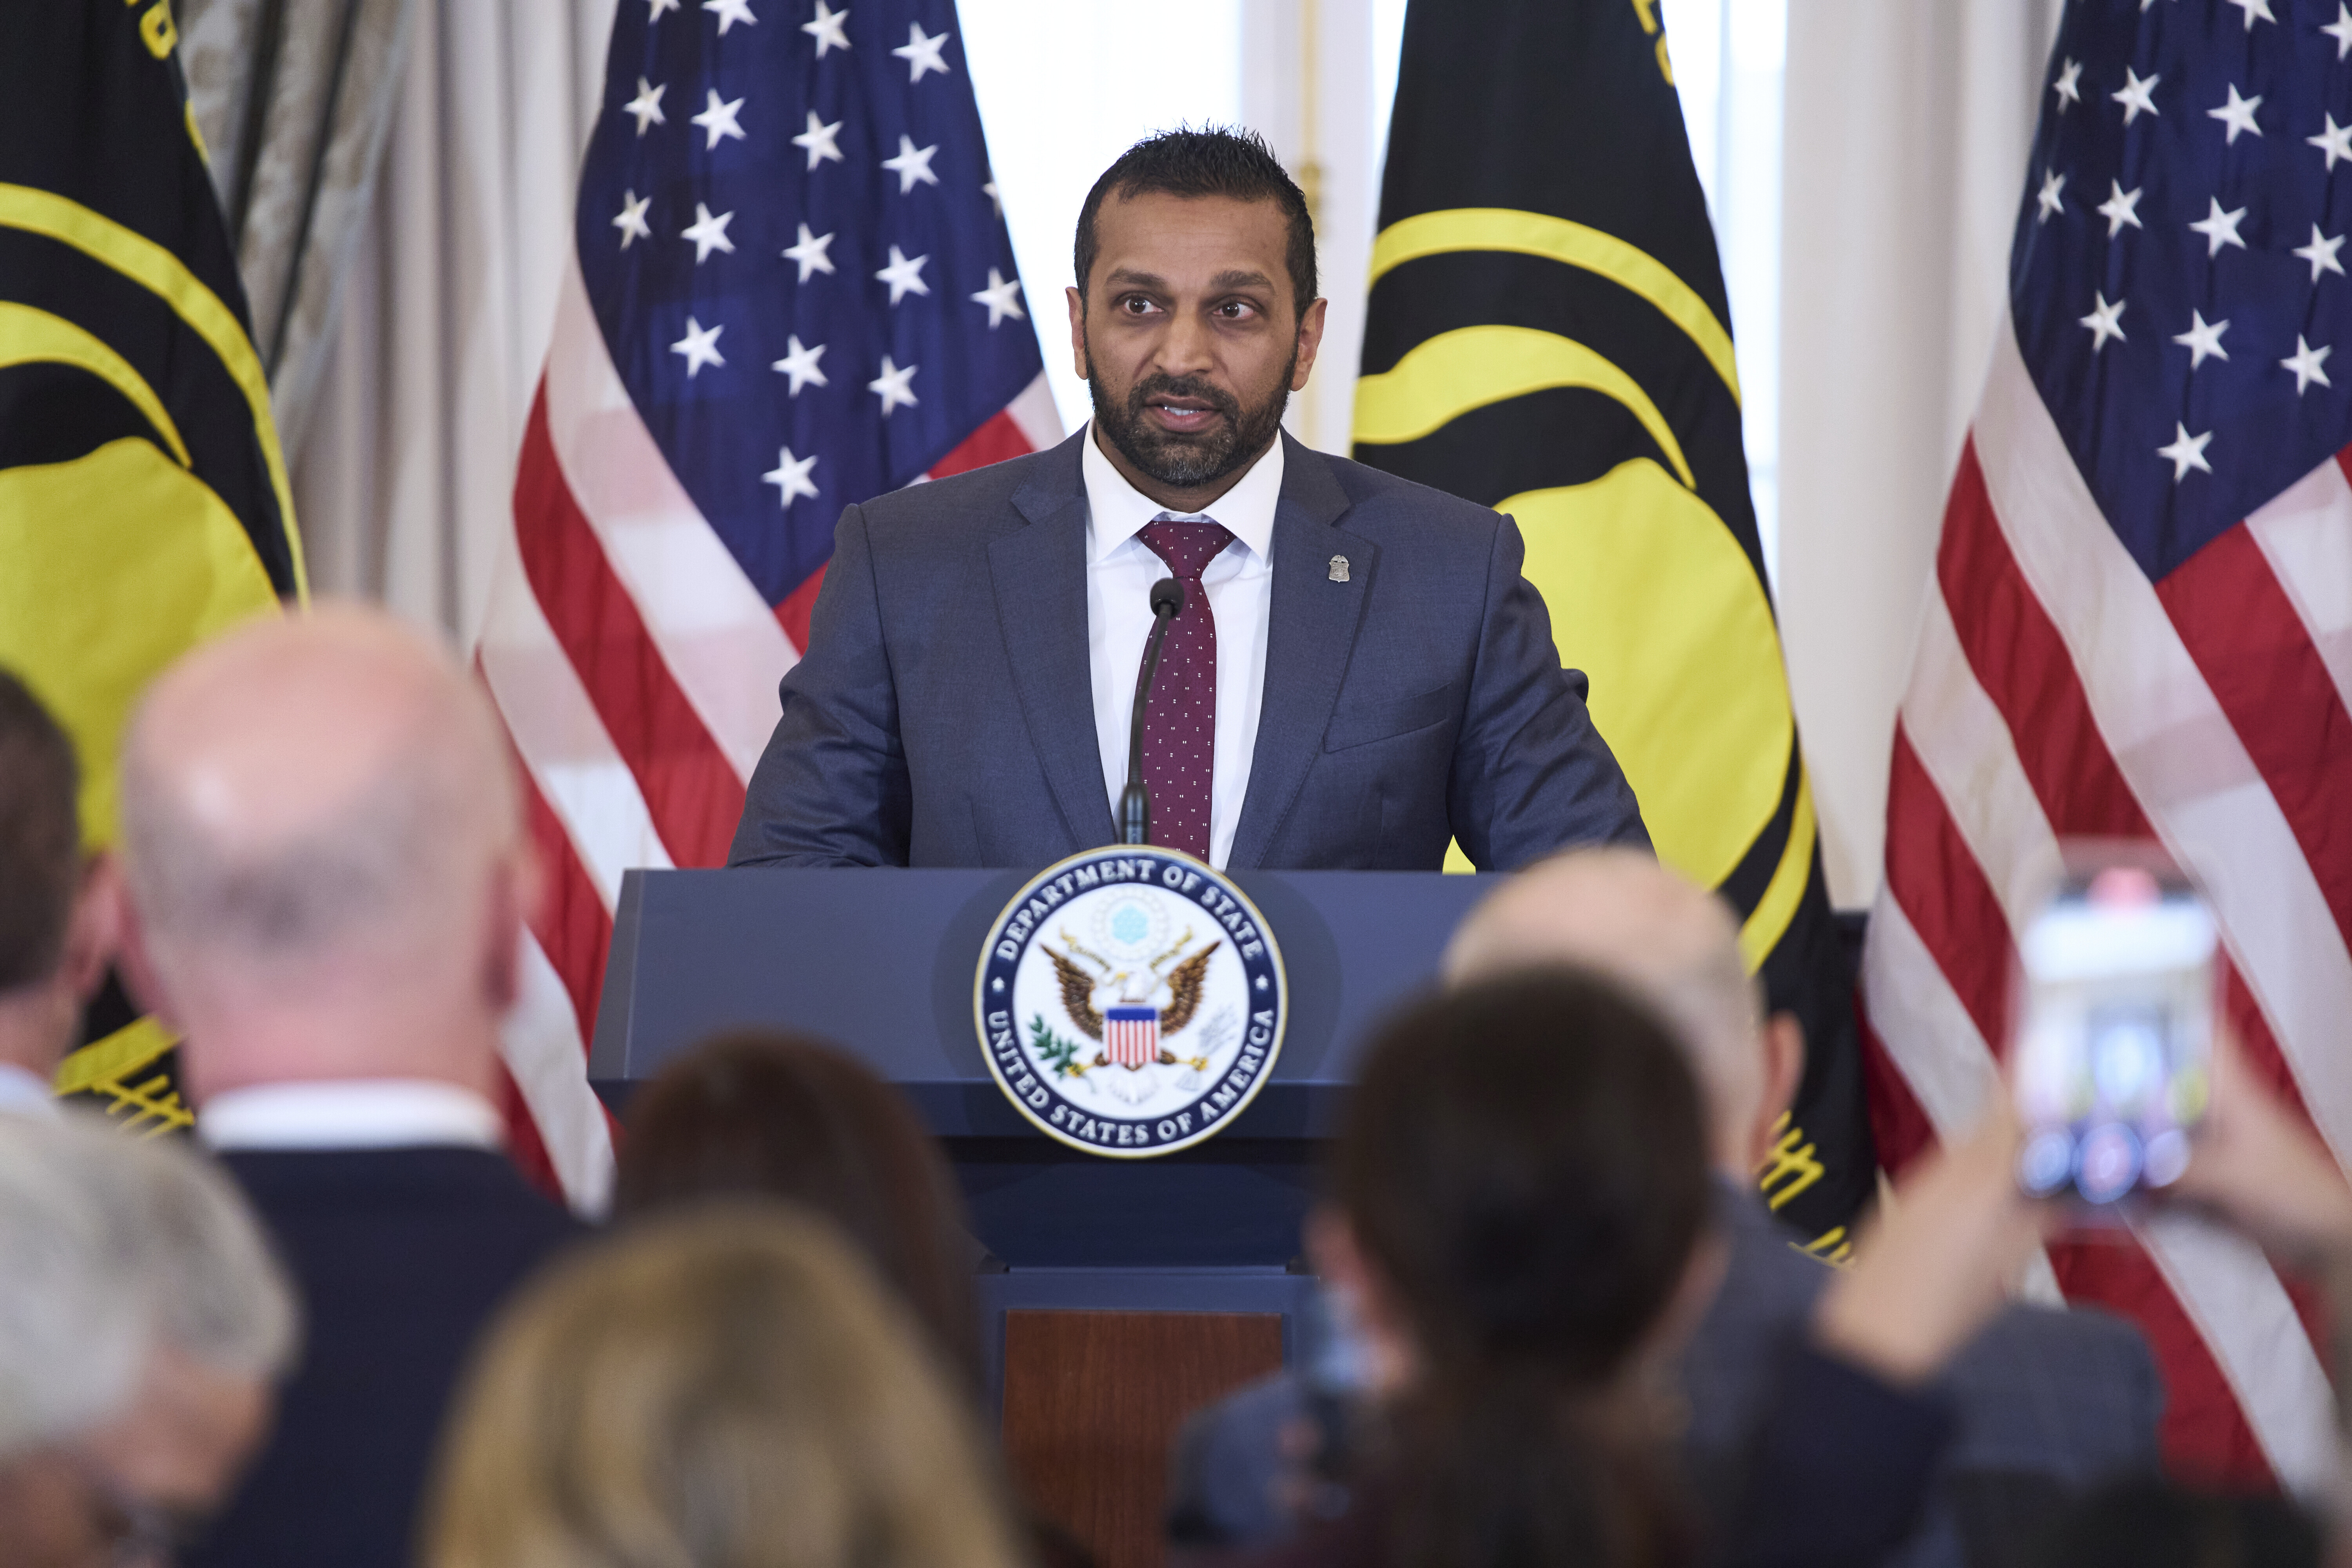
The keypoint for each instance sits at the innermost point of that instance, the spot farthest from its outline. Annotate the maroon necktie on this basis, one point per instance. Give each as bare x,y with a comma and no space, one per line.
1180,723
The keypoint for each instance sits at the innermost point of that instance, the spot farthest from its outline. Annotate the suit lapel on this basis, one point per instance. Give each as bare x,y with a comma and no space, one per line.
1039,572
1310,631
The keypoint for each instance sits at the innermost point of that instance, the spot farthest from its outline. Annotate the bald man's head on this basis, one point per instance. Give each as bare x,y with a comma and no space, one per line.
1672,942
321,805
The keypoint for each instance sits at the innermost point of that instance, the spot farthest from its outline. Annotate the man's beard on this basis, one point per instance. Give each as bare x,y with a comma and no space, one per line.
1188,462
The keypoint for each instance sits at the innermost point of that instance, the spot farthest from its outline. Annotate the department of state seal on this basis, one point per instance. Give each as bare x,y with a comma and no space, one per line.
1131,1001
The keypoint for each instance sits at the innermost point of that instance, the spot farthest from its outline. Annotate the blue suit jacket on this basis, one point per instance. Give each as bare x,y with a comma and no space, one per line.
2046,1402
400,1255
943,714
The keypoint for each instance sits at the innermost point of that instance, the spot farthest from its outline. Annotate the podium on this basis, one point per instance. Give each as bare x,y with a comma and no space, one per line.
1118,1294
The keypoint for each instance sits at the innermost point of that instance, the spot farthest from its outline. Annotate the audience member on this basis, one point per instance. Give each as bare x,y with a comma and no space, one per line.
141,1324
1519,1226
769,1114
731,1387
328,885
758,1112
1522,1192
2047,1401
55,935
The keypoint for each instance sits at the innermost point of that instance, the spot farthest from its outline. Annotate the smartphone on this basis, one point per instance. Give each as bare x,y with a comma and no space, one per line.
2117,1009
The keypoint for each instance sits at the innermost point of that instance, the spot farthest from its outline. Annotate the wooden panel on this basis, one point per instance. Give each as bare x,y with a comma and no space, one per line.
1092,1401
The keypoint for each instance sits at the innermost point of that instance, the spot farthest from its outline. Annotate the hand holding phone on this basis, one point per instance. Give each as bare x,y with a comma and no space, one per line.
2259,1167
2117,1006
1935,1264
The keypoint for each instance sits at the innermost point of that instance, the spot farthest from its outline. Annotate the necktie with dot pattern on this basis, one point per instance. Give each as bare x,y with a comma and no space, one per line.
1180,721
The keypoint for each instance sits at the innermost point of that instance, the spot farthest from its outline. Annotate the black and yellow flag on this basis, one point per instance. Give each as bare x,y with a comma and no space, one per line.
1547,335
143,500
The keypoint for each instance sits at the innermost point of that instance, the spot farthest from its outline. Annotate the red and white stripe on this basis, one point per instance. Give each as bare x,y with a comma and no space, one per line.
2057,692
636,668
1131,1042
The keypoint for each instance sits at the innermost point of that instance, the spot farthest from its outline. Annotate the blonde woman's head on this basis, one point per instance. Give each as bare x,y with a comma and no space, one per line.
727,1389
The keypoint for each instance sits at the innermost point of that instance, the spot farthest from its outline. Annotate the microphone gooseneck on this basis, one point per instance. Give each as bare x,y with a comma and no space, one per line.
1135,801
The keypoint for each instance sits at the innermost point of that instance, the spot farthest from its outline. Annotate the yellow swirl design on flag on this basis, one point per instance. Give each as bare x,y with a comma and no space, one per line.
125,1074
159,564
1763,929
28,336
158,271
1574,243
1448,375
1648,588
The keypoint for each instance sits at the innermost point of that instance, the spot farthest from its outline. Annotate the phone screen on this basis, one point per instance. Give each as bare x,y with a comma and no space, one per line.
2116,1039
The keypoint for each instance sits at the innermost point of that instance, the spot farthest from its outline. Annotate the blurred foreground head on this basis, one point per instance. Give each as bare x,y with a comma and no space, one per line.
143,1322
1523,1176
54,936
1674,945
1524,1167
765,1114
323,849
730,1386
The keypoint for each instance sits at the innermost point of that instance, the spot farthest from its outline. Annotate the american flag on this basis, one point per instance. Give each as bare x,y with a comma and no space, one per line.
2140,627
1131,1036
791,290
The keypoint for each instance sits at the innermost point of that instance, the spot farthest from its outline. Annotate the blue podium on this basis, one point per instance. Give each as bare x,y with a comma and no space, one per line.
881,963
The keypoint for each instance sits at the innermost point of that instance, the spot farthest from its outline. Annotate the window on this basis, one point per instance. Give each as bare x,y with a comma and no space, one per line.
1729,57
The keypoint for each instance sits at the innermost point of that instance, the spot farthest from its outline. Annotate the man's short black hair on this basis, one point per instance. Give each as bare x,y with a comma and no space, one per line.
40,836
1214,161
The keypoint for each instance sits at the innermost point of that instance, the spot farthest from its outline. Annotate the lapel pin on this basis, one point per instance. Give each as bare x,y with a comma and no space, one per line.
1339,568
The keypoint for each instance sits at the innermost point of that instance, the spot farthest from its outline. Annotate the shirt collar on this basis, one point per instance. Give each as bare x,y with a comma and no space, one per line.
25,1093
355,1113
1116,511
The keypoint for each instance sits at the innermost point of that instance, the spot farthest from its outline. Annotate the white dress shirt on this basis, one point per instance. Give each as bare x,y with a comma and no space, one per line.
26,1093
1120,570
351,1114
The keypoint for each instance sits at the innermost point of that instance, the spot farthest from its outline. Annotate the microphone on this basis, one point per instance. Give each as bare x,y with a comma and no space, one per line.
1135,801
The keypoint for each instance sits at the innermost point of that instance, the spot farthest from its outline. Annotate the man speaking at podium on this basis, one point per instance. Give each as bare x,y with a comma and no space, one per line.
1352,669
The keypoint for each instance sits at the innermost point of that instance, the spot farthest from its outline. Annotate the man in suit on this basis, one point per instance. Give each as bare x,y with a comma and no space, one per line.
2047,1401
56,935
1357,674
328,883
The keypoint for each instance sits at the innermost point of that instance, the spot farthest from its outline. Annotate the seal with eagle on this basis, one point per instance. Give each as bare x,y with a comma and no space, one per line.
1134,988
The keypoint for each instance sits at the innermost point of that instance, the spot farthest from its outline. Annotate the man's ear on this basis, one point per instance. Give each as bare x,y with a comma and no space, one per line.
1310,340
133,955
531,882
1784,1067
93,930
517,886
1077,301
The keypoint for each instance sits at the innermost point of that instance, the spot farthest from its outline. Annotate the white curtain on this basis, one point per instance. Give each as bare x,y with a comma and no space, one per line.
292,99
405,471
1907,125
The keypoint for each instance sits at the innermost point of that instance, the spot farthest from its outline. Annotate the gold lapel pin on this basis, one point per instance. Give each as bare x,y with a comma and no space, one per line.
1339,568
